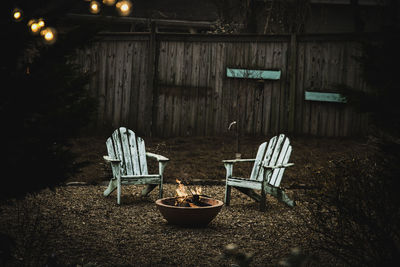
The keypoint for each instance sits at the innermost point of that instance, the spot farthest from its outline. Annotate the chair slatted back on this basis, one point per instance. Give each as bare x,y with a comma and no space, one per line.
124,145
277,151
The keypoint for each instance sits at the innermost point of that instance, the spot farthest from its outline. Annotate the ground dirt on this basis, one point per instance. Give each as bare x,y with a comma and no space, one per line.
76,225
199,159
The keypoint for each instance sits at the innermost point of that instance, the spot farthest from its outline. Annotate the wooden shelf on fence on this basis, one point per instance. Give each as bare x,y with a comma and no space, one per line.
253,74
324,97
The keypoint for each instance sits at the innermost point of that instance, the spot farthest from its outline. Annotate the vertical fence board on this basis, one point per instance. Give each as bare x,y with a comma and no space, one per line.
127,81
161,93
299,98
210,108
102,77
110,82
144,96
259,51
203,88
220,65
268,88
134,87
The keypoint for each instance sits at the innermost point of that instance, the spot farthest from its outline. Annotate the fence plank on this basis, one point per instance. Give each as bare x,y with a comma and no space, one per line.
258,109
102,77
127,81
145,97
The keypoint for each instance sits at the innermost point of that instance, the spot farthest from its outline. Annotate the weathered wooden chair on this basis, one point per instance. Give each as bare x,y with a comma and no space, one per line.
269,165
127,155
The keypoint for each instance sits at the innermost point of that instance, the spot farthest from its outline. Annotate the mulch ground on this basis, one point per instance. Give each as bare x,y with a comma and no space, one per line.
75,225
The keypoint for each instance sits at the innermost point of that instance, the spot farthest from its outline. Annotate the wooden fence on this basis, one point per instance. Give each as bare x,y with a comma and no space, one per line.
177,84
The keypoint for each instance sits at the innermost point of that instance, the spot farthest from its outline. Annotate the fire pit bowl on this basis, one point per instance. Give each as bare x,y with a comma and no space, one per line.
199,216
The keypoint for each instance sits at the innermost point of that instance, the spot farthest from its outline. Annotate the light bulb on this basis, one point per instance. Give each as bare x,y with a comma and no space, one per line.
94,7
17,14
49,35
40,23
109,2
124,7
35,28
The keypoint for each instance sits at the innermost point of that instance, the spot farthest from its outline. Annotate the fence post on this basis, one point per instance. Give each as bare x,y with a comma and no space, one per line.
292,82
152,77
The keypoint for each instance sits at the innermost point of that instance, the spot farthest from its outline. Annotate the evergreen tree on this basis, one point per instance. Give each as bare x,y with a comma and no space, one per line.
44,101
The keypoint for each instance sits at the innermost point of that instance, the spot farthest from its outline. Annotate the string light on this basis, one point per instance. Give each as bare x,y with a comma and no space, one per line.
94,7
49,35
124,7
36,25
109,2
40,22
17,14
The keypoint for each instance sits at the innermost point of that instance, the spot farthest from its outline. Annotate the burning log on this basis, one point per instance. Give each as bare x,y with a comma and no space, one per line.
183,199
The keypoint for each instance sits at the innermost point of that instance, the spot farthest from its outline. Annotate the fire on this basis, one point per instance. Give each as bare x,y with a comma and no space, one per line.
182,197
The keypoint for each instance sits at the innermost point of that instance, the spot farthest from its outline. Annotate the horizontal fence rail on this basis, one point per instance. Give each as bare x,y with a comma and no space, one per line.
177,84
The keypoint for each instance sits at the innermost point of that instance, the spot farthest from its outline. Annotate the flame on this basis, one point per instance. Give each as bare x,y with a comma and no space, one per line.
196,191
182,194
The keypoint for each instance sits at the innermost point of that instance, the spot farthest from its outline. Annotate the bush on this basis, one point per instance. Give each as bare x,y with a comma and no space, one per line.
357,217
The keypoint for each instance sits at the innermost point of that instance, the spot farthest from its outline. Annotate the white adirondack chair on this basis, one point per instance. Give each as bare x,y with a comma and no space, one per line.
127,155
269,165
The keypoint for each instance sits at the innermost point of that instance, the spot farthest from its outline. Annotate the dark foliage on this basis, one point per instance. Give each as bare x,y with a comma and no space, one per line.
379,63
357,219
43,103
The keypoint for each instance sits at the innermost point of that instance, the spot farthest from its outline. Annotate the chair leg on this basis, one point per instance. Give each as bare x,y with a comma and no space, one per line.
227,194
229,170
263,199
148,189
119,193
280,195
161,190
111,187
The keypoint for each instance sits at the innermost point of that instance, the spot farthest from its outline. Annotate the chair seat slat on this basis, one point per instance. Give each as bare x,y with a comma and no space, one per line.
118,150
255,172
134,153
142,156
126,151
277,174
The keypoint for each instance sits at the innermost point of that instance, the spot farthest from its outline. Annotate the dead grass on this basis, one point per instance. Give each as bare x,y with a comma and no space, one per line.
93,229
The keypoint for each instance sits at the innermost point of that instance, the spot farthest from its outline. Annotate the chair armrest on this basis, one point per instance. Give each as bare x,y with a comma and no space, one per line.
111,160
237,160
278,166
156,156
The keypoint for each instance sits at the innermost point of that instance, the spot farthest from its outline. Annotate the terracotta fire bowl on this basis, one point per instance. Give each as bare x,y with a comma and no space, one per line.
189,216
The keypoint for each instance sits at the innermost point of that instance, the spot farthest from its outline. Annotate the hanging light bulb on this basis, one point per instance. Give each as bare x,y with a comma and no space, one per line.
34,26
17,14
49,35
124,7
109,2
94,7
41,23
